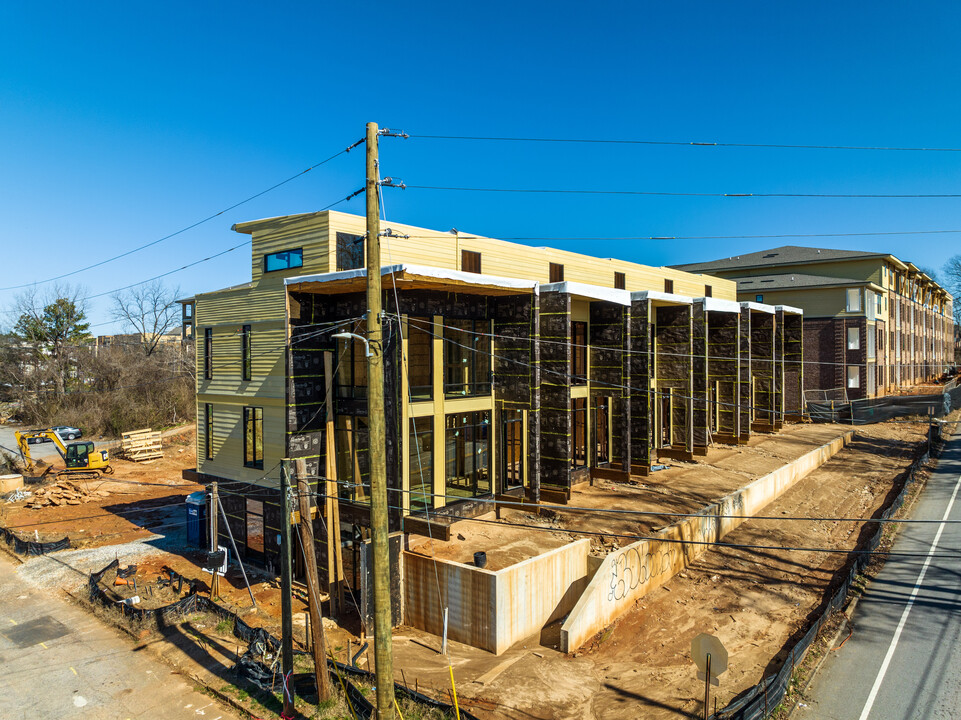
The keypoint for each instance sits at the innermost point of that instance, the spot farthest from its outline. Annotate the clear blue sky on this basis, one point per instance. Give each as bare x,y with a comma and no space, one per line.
122,123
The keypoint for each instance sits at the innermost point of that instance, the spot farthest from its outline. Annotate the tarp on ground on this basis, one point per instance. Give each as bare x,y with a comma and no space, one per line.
862,412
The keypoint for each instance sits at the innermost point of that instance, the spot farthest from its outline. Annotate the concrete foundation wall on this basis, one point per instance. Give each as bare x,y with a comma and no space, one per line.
629,573
492,610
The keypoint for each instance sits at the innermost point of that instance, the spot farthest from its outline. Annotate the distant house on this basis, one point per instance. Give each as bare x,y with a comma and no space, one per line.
873,324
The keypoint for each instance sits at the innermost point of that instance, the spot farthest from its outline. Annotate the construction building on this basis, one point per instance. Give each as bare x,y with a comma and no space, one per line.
511,373
873,324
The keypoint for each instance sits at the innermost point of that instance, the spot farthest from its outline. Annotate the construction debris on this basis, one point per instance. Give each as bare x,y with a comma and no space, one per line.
18,495
64,492
141,445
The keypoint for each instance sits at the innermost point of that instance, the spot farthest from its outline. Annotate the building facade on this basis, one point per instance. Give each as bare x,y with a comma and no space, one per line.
511,373
873,324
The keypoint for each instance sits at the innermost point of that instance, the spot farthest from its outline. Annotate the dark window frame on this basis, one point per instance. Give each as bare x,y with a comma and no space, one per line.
253,429
208,431
420,434
420,327
246,363
512,439
459,341
708,291
294,259
579,455
601,430
759,298
578,368
347,251
668,286
208,353
477,479
470,261
620,281
556,272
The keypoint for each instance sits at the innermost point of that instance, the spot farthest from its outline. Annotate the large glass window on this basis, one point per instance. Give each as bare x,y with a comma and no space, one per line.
350,374
420,358
579,425
854,377
467,454
467,358
421,453
602,425
512,448
254,437
353,458
854,338
284,260
350,251
578,353
853,297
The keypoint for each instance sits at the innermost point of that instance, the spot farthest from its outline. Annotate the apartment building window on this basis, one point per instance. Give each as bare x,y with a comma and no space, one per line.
668,286
556,272
420,358
869,304
579,427
352,455
470,261
854,376
467,454
208,353
870,336
421,463
350,251
854,338
254,437
208,431
578,353
247,360
759,298
880,299
284,260
853,300
602,427
708,291
620,281
467,358
350,377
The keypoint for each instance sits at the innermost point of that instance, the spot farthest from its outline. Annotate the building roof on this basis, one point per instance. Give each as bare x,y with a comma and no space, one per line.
795,281
784,255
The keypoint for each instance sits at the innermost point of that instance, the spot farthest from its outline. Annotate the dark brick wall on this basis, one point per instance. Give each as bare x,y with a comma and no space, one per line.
609,328
555,415
723,349
641,362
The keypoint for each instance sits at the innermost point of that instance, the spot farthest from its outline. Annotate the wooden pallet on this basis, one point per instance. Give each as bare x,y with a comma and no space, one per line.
141,445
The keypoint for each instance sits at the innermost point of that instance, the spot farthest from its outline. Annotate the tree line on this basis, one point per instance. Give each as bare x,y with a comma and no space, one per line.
54,371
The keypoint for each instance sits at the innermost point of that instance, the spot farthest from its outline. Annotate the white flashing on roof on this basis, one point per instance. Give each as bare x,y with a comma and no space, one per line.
759,307
713,304
666,297
594,292
789,309
421,270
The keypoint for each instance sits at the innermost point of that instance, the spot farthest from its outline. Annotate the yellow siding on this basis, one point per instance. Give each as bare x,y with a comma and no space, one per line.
311,235
228,440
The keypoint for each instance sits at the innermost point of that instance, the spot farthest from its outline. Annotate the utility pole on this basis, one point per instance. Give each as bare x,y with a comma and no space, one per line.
318,643
383,654
214,538
286,618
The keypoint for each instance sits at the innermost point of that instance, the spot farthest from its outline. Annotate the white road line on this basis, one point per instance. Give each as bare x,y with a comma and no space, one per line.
907,610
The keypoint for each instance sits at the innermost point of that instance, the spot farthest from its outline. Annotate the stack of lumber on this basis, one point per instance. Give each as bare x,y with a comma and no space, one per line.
64,492
141,445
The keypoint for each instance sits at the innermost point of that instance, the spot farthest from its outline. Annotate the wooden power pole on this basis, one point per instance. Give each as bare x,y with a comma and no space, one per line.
317,641
214,538
383,654
286,617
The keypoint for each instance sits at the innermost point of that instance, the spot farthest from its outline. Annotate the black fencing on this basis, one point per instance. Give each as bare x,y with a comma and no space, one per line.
758,702
33,547
261,645
861,412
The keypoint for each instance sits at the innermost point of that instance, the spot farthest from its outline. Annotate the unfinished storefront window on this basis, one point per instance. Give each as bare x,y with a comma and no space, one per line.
421,453
467,358
579,426
420,359
351,366
467,454
578,353
245,353
353,458
602,424
255,529
350,251
512,448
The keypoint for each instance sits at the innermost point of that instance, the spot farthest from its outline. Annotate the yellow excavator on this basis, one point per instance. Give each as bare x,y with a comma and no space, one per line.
79,458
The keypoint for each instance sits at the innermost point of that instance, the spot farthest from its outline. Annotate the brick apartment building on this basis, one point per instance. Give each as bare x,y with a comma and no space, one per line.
873,324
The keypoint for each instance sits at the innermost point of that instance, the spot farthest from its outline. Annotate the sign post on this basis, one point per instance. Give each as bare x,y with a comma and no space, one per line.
710,657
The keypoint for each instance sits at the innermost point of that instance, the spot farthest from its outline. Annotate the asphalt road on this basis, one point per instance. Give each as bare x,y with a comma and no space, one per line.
42,451
903,659
60,662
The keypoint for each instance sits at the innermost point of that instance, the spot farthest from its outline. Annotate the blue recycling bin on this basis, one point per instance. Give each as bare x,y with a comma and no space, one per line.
197,530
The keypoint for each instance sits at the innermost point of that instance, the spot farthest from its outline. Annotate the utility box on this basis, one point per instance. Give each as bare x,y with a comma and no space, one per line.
198,530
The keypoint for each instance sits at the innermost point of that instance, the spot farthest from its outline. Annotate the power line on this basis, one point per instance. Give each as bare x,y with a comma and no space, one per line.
665,193
574,238
189,227
678,143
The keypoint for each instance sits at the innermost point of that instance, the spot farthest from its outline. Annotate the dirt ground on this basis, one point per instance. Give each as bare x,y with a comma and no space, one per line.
754,600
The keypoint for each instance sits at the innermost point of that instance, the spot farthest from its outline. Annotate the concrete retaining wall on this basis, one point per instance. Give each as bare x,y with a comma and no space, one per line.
492,610
629,573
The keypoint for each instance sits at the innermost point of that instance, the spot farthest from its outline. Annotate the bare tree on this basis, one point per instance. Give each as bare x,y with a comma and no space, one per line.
149,310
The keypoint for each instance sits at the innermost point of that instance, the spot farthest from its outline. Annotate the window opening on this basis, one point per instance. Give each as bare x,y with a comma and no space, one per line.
578,353
284,260
350,251
245,352
470,261
421,452
556,272
254,437
467,454
579,427
467,358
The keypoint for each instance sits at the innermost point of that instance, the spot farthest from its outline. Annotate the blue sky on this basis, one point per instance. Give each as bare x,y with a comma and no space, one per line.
123,123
